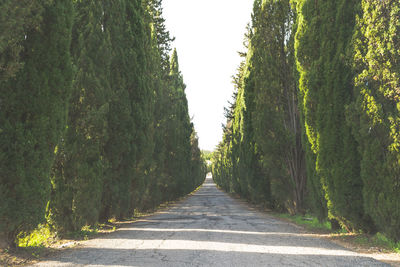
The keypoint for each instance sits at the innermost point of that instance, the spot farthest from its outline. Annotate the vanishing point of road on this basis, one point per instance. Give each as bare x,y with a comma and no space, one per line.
209,228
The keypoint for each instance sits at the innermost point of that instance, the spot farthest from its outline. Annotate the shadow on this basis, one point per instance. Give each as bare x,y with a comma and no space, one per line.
20,256
182,257
223,236
210,228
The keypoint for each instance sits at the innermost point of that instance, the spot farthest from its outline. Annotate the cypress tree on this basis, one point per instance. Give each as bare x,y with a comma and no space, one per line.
252,182
178,132
143,103
323,39
119,149
236,164
160,62
130,112
375,115
77,180
276,118
307,51
33,118
161,35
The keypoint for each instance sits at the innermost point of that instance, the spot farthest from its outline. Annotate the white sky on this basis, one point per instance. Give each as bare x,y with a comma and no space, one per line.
208,33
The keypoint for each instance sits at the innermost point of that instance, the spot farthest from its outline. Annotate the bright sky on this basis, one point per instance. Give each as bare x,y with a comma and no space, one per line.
208,33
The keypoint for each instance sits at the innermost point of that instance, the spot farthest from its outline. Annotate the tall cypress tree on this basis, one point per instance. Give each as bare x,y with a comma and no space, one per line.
33,118
142,100
178,132
375,115
129,116
323,39
236,165
119,149
276,117
77,180
307,51
252,182
160,64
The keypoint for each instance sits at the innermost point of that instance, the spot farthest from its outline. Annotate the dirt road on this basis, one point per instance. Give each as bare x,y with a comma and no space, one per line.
210,229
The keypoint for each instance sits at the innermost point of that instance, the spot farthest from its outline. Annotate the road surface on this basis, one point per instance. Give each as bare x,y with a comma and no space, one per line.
209,228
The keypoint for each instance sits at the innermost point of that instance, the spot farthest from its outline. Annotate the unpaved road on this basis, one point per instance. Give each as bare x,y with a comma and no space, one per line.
210,228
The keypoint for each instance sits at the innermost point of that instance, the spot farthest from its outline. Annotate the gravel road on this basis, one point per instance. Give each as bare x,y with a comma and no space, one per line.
209,228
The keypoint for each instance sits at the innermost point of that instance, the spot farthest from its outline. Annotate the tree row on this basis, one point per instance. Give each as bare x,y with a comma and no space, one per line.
314,125
94,119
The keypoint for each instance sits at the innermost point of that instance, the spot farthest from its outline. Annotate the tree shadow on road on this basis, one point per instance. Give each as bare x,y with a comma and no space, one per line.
184,257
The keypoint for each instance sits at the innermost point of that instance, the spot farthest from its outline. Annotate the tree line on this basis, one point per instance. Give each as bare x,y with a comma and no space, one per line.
314,125
94,119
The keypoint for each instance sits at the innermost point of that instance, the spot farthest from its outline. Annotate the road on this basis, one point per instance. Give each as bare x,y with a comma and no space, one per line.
210,228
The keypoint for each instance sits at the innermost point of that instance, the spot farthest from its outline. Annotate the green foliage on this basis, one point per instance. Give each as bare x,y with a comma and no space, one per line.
236,164
261,156
128,116
375,115
77,180
276,117
17,20
324,139
323,39
207,155
40,237
162,39
83,233
178,140
126,143
378,240
224,157
32,118
307,46
308,221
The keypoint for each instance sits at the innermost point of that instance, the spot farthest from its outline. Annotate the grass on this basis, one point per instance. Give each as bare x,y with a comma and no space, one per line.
308,221
84,234
378,241
30,247
43,241
44,236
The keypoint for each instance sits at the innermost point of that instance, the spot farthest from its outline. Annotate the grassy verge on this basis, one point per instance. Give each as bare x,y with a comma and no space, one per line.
379,241
43,241
307,221
362,241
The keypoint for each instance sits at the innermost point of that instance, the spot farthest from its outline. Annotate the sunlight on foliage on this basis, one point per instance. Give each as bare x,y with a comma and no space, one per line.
40,237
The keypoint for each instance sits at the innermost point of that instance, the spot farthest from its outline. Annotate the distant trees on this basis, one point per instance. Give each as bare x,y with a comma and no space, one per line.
318,101
94,122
